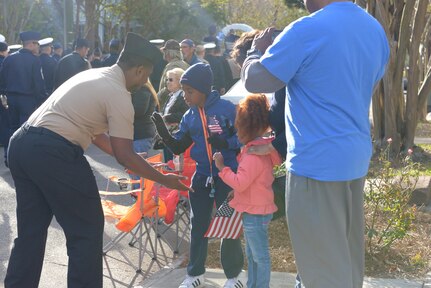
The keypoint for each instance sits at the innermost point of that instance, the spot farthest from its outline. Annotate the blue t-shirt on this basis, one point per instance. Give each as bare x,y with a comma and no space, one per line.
330,62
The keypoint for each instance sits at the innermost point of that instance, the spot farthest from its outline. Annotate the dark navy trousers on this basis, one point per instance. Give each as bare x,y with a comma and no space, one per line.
232,258
53,178
20,109
4,129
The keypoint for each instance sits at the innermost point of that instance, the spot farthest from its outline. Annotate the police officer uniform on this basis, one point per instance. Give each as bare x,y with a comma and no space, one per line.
156,76
4,118
22,82
48,64
114,48
3,48
14,48
57,135
57,54
70,65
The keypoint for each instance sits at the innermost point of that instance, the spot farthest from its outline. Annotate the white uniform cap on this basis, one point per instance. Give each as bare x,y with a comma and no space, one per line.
2,38
15,46
209,45
157,41
45,41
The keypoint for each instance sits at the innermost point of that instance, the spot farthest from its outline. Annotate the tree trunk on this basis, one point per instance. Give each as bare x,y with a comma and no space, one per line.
413,75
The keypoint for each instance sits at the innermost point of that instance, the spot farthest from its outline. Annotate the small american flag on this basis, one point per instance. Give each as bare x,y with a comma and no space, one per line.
227,223
214,126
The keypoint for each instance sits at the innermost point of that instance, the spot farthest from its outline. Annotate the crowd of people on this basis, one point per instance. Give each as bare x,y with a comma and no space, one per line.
169,95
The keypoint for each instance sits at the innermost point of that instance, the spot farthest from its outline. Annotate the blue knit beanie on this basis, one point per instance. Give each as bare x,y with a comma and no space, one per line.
199,76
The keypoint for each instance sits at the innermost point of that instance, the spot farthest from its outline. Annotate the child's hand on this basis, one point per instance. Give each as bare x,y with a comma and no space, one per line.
219,161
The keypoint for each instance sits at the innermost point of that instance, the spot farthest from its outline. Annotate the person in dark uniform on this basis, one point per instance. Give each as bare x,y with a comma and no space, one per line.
4,51
48,64
156,76
64,186
57,51
96,62
14,48
4,118
21,80
114,50
72,64
212,35
217,67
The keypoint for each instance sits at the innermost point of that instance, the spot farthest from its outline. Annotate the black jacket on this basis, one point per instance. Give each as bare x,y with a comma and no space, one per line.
144,105
174,109
69,66
48,69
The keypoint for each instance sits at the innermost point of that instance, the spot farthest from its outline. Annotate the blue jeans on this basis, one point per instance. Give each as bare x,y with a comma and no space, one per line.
140,145
257,249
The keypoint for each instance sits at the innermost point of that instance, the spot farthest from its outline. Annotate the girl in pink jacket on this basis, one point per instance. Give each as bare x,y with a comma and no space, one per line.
252,186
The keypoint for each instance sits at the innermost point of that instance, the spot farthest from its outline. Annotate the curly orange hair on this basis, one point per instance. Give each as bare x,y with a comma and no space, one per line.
252,117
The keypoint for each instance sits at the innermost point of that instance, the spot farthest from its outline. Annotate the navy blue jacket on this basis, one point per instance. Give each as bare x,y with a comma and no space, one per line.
191,125
111,60
194,60
69,66
56,57
21,75
48,71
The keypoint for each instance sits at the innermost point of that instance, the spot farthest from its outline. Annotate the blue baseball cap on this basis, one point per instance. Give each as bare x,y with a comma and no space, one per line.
188,42
57,45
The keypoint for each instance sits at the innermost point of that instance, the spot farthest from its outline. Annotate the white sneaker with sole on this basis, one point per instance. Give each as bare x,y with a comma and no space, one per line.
193,282
233,283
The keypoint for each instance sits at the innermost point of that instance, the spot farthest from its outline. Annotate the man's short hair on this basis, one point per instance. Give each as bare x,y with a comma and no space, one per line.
80,43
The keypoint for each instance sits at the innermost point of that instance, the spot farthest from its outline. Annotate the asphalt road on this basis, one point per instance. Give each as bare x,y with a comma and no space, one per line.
117,272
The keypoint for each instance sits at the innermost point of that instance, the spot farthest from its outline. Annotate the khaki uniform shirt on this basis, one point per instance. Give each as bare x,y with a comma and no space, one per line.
90,103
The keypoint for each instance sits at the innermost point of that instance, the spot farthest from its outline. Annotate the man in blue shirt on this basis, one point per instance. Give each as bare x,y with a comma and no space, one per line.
188,49
330,62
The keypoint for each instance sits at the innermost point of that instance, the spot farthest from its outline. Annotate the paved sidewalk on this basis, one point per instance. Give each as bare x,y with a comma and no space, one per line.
214,278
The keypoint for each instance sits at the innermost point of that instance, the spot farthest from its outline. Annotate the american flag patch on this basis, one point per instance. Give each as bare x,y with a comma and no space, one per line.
214,126
227,223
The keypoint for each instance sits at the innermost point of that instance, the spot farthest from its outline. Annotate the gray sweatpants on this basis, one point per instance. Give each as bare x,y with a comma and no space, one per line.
326,227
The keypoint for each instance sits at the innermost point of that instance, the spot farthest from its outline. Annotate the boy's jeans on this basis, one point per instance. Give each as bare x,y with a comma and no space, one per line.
257,249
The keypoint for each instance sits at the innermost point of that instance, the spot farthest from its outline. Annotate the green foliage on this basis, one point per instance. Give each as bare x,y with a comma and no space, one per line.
217,9
388,214
164,19
258,14
280,170
294,3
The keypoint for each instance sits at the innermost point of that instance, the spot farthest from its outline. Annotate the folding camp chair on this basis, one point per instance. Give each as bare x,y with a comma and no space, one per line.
174,222
133,220
177,218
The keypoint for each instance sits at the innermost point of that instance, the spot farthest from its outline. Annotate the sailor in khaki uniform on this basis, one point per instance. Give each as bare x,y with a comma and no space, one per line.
52,176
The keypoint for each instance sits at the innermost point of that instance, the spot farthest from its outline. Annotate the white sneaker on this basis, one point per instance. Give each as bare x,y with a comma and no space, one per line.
193,282
233,283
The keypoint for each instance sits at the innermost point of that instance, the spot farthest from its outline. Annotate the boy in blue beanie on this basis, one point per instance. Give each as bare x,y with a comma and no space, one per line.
208,124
